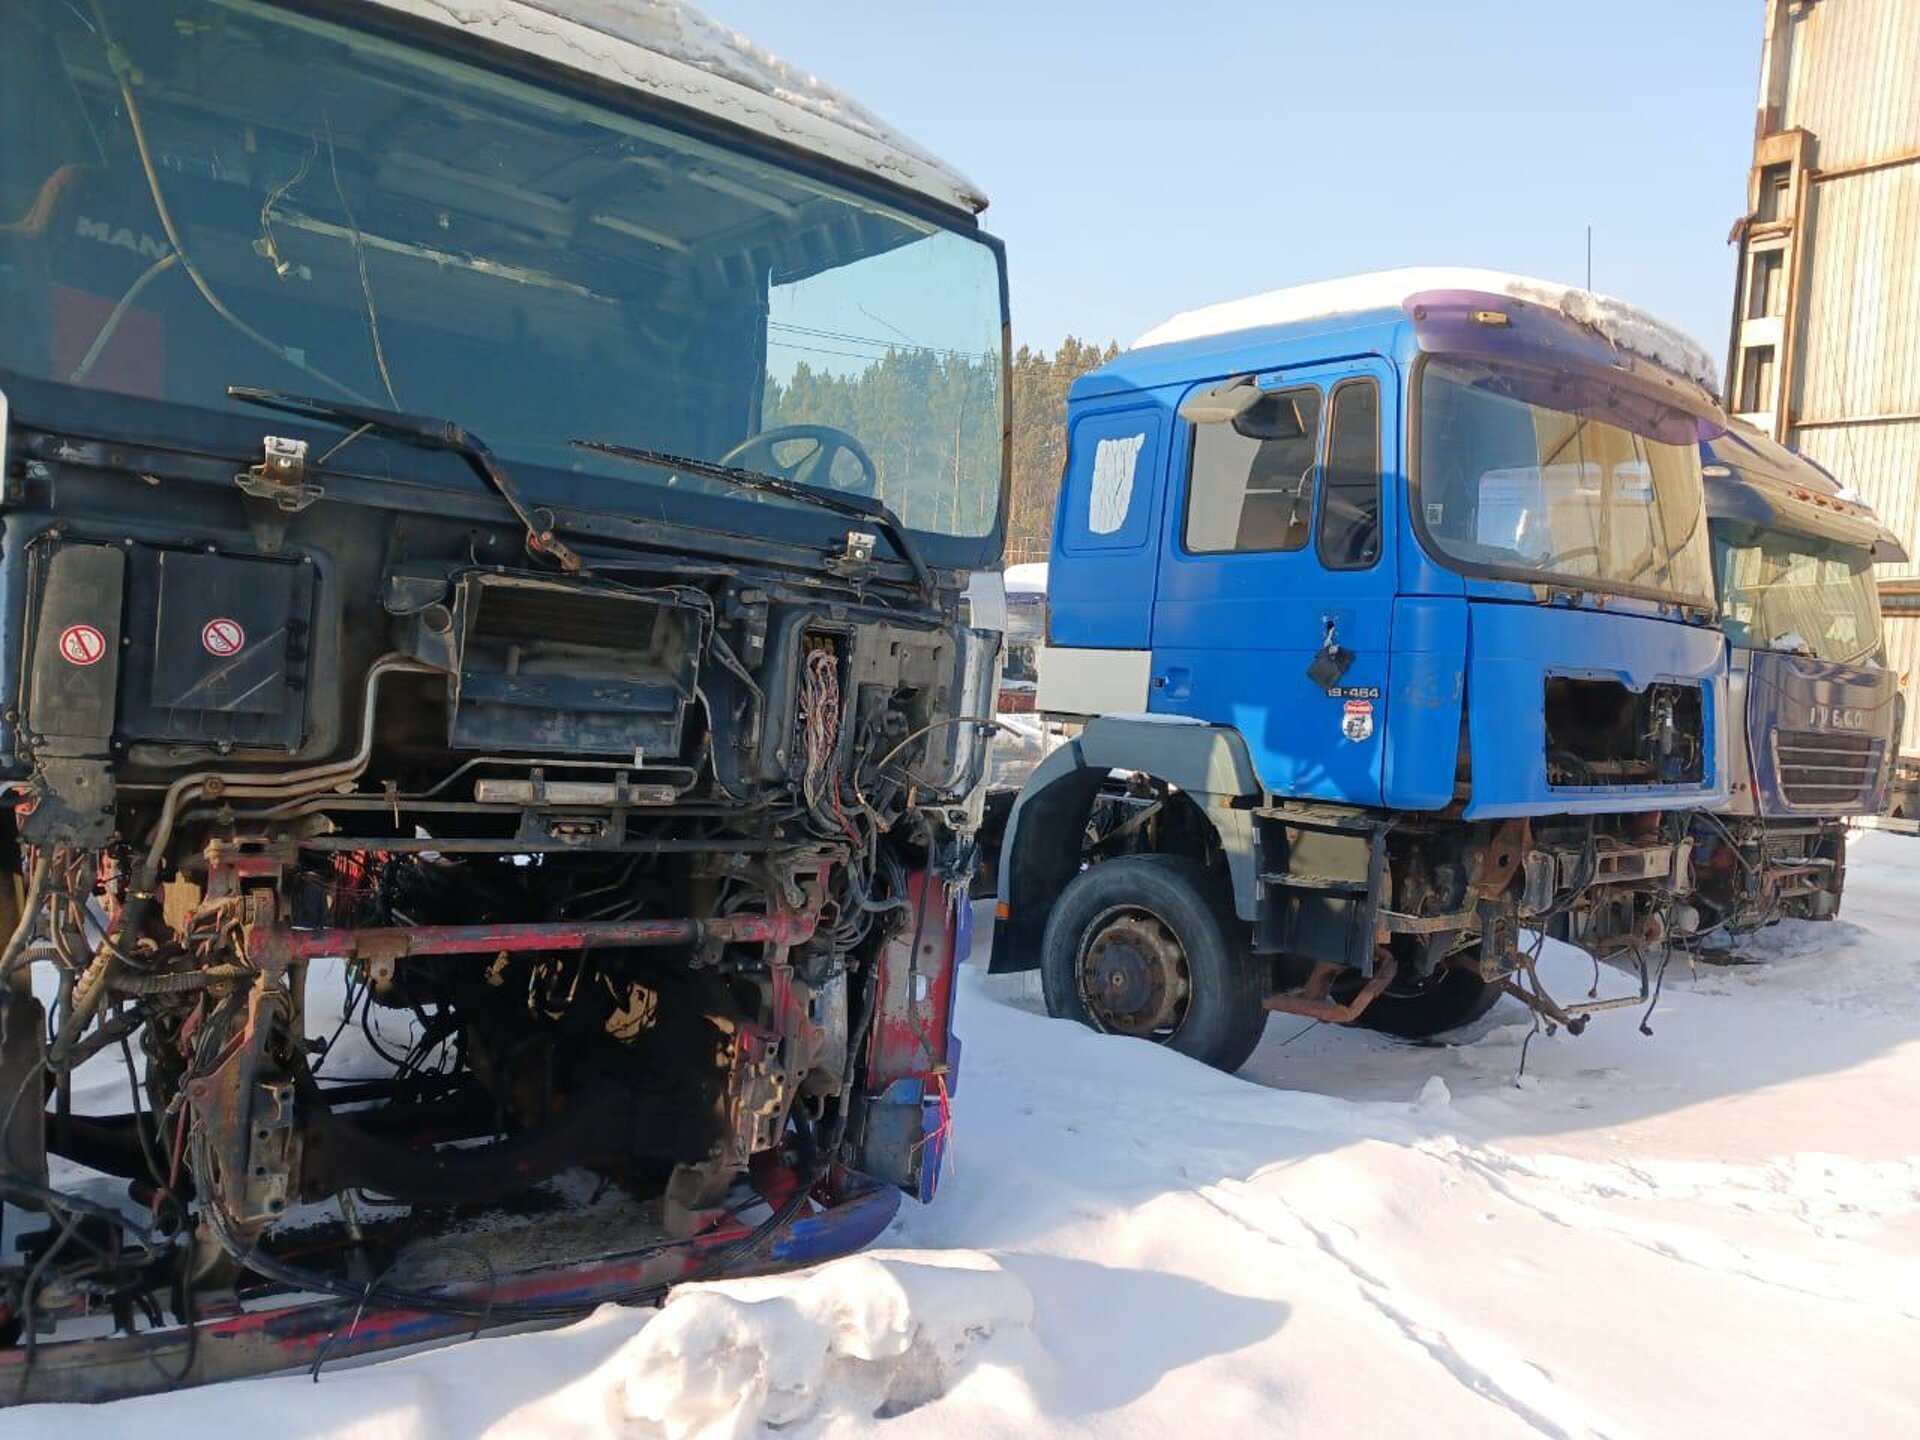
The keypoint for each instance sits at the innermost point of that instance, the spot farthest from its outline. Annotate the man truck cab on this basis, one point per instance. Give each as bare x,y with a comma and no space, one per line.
1813,709
623,761
1389,601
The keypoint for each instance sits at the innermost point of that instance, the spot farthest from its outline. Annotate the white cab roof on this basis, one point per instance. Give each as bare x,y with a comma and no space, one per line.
1625,325
671,50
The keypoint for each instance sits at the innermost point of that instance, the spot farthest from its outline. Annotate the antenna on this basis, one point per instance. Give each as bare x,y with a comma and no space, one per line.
1589,257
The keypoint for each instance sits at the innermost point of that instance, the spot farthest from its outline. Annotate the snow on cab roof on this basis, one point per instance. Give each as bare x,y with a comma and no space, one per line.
671,50
1626,326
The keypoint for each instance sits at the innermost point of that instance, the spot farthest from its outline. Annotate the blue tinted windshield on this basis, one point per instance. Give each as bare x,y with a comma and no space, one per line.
251,196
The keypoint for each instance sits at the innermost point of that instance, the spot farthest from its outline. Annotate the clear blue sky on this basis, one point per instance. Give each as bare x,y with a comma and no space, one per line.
1146,157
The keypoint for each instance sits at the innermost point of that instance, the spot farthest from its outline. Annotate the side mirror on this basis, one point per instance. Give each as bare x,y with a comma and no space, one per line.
1220,404
1257,414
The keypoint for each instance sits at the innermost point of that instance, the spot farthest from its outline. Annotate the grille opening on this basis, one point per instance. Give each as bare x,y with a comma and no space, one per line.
1825,768
1599,732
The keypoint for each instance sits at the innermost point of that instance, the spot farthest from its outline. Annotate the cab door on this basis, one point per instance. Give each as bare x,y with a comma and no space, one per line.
1274,609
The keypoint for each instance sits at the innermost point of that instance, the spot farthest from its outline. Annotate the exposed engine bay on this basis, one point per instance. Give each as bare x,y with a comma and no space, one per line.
460,886
1600,732
1359,911
616,872
1753,872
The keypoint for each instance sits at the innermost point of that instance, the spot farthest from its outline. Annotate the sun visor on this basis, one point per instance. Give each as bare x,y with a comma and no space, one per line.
1571,366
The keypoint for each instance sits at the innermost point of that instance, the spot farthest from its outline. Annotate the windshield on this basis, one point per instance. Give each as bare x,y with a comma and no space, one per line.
1537,476
1780,591
261,198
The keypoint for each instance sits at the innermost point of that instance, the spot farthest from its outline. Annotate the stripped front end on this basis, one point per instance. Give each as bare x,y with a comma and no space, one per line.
465,880
1818,710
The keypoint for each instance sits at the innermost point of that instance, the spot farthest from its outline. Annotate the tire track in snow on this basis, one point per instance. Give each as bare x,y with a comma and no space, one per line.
1483,1365
1696,1249
1826,1193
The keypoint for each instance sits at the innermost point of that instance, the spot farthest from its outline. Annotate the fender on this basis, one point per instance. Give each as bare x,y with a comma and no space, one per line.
1040,852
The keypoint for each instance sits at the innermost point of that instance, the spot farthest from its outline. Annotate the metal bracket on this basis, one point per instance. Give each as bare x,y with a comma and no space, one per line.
856,561
281,476
277,489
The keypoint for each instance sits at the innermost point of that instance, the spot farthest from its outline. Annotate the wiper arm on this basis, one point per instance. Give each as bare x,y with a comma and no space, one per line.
860,507
429,434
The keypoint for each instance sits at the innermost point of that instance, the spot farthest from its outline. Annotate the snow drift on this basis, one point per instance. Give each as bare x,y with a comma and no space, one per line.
870,1335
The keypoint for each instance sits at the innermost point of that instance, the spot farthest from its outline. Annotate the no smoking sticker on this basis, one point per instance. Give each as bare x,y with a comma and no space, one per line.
1357,722
223,637
82,645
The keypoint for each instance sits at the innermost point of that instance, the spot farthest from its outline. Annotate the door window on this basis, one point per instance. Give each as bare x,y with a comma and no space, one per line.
1251,478
1350,494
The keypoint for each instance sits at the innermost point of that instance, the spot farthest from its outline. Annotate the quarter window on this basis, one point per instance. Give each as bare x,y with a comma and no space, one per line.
1250,484
1350,495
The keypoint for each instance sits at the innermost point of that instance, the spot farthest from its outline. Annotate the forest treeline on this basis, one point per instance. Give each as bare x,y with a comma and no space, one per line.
936,474
1040,383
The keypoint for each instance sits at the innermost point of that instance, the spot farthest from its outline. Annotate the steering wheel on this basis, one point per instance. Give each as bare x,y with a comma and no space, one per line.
815,467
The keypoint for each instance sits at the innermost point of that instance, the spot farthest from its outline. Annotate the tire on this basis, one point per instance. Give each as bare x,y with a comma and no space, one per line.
1156,915
1446,1000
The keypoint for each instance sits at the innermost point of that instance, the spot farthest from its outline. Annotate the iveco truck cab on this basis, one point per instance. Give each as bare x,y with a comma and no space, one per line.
1814,712
1389,602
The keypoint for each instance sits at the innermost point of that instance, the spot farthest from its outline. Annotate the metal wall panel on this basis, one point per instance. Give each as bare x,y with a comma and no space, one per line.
1903,658
1850,76
1882,462
1859,328
1853,79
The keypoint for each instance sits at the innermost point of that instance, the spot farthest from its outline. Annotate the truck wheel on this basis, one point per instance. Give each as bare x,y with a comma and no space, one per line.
1148,946
1445,1000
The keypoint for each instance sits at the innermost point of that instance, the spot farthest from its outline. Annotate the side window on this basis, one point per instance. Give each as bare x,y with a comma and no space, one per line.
1250,481
1107,495
1350,491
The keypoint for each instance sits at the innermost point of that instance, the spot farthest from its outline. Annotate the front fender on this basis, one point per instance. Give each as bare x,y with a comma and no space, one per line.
1041,850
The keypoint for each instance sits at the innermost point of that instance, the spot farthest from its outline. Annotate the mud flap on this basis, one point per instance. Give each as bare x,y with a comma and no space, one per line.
908,1113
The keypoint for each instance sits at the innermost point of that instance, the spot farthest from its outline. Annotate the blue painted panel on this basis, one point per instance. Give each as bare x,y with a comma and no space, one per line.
1234,633
1511,651
1427,683
1101,579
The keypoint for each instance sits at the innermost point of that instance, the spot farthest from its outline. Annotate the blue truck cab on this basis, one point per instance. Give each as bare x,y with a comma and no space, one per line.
1814,712
1389,606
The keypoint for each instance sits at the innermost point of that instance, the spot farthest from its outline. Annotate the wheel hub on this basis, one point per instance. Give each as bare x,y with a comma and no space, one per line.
1134,977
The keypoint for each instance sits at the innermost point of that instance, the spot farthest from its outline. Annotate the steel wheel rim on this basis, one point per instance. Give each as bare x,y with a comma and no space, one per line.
1133,975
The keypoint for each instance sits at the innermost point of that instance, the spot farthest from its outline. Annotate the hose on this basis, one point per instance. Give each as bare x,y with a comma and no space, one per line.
29,908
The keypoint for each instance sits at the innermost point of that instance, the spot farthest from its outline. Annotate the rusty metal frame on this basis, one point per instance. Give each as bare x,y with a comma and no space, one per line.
274,1336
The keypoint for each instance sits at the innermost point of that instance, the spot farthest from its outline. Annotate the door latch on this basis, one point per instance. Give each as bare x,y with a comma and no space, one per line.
1331,663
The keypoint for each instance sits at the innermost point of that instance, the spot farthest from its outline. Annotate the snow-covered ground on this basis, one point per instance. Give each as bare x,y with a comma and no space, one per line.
1714,1230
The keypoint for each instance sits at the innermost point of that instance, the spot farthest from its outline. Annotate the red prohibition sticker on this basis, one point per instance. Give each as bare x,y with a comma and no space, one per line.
82,645
222,636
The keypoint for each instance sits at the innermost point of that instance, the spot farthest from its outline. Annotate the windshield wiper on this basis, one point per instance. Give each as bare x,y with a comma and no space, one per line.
429,434
860,507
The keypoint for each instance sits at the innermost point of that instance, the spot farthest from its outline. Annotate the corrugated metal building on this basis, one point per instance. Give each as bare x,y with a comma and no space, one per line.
1826,325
